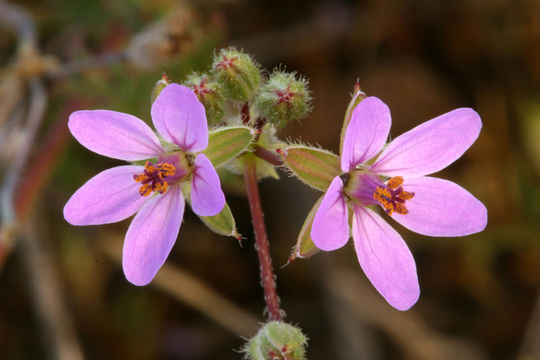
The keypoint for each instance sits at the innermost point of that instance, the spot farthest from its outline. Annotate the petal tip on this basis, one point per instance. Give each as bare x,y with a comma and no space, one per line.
138,279
405,304
473,116
180,118
366,133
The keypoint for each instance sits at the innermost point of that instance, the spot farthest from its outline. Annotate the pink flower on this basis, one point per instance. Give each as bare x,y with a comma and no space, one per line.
396,181
153,191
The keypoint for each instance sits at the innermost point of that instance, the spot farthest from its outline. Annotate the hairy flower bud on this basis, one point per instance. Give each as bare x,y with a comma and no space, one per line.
283,98
276,340
238,73
160,85
210,94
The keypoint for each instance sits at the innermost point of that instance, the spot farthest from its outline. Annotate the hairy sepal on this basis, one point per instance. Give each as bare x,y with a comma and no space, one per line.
305,247
358,96
223,223
226,143
315,167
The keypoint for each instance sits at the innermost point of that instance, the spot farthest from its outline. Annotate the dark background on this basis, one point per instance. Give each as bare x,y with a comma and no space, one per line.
62,290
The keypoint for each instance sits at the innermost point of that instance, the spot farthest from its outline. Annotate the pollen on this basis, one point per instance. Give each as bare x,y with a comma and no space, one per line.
392,197
382,195
394,182
154,178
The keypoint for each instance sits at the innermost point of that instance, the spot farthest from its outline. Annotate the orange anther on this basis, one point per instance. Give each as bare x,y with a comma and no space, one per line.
392,197
395,182
405,195
145,190
400,209
153,178
382,195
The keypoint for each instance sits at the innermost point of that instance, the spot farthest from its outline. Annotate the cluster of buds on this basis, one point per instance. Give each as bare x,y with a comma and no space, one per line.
235,90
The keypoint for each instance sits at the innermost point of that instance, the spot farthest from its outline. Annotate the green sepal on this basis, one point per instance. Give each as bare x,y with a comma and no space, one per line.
160,85
358,96
225,143
315,167
222,223
305,247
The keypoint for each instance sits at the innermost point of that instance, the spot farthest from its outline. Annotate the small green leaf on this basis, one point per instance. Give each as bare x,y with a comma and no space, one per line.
305,247
315,167
226,143
222,223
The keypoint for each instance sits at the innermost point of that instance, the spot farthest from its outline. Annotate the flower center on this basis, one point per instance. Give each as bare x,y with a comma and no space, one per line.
392,197
153,178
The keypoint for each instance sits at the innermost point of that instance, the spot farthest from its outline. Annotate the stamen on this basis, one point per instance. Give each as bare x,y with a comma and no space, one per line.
405,195
392,197
153,178
382,195
401,209
394,182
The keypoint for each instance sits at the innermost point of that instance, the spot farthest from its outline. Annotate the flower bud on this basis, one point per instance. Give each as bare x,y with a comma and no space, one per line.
210,94
276,340
160,85
283,98
237,73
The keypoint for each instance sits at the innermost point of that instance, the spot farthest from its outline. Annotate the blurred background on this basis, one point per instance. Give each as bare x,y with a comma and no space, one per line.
62,291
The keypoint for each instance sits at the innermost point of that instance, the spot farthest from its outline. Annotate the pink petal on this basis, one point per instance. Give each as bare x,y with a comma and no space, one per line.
114,134
180,118
385,258
330,229
151,236
441,208
110,196
366,133
207,198
431,146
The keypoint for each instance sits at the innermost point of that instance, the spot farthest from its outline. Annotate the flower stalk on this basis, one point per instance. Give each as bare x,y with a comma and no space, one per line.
261,239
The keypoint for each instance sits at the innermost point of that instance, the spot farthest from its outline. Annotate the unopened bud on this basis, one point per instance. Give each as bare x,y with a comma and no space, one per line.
160,85
283,98
238,73
210,94
276,341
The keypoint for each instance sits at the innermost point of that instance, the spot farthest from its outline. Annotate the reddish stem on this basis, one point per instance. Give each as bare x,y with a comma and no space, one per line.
261,239
268,156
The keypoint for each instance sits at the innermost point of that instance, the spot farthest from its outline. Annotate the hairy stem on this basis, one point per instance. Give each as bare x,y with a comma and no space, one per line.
261,239
267,155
